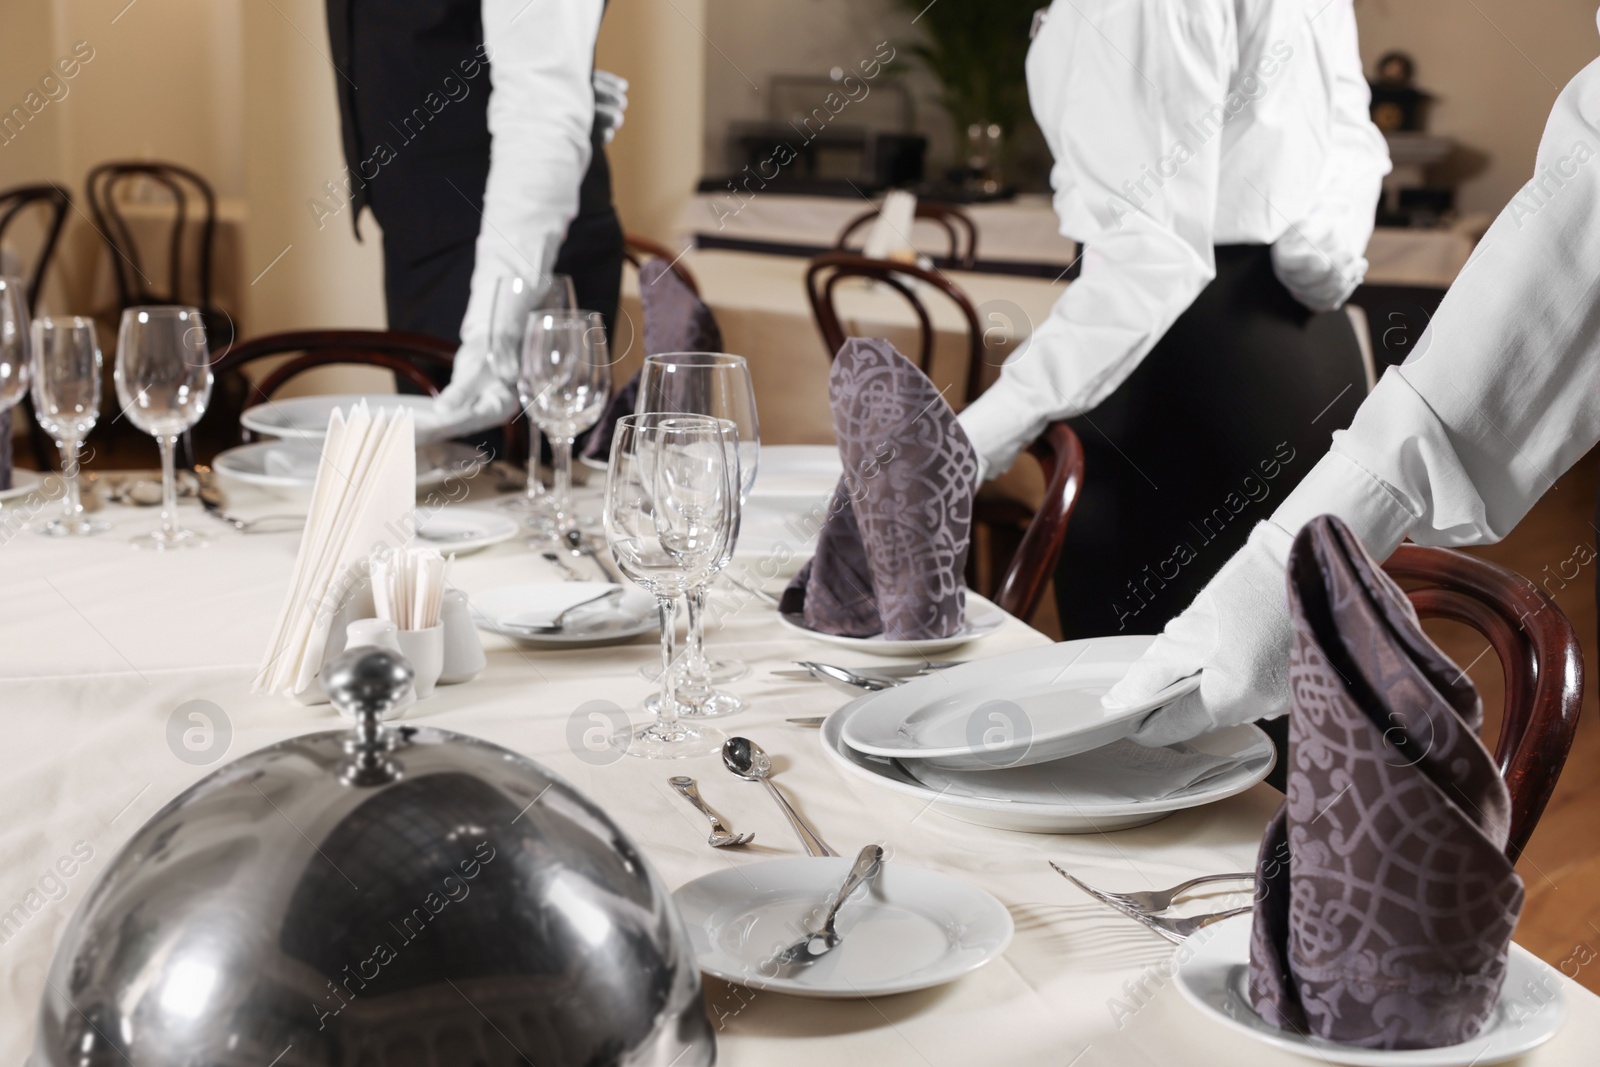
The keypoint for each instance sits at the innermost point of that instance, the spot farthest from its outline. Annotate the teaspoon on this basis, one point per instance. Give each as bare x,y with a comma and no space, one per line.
746,759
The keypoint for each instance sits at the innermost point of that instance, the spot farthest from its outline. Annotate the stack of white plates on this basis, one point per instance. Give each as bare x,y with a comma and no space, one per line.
1021,742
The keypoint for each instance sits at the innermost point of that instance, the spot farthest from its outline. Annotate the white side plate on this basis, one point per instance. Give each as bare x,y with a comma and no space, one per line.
305,418
983,619
612,623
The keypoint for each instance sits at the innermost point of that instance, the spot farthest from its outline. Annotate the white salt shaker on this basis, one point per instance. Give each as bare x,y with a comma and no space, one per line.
463,650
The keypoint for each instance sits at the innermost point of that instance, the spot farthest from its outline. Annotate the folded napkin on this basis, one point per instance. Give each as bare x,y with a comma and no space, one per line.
5,450
361,511
892,554
675,320
1385,902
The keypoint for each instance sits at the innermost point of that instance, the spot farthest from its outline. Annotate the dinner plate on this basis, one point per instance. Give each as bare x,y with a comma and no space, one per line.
1009,711
1057,797
456,531
609,623
775,543
23,482
291,466
305,418
1214,974
796,477
906,929
983,618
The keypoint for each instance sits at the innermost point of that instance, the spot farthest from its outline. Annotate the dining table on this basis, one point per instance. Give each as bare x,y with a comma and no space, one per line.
127,678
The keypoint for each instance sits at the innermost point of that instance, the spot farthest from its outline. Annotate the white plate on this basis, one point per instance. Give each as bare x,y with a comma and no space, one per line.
774,542
291,466
23,482
1053,798
305,418
907,929
983,618
796,477
456,531
1009,711
602,624
1531,1009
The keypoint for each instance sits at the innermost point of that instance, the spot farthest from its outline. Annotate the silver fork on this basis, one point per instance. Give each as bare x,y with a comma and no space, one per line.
721,836
1173,928
1155,900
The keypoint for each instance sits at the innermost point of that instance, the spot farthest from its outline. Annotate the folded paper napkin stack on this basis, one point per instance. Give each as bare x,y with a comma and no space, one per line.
892,554
1385,901
361,511
675,320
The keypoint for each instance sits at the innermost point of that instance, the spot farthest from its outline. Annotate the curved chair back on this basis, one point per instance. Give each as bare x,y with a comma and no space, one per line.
829,269
56,202
409,355
186,190
637,249
1060,453
962,232
1539,655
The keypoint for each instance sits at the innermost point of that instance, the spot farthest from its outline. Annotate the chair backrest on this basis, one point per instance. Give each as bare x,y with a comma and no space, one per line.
956,223
1539,655
56,202
408,355
829,269
1060,453
180,185
637,249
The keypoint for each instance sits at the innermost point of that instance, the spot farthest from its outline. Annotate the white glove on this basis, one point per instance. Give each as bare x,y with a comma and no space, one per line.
610,101
1235,636
476,398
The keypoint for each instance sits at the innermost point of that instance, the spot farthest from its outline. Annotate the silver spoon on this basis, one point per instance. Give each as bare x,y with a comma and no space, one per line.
813,947
562,565
746,759
559,623
721,836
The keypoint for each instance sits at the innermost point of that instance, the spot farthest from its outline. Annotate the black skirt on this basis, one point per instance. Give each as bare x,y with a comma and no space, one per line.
1224,416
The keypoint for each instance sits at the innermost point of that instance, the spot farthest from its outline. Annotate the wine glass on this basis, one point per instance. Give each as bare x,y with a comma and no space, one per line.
66,401
16,362
516,299
566,374
716,385
671,505
163,380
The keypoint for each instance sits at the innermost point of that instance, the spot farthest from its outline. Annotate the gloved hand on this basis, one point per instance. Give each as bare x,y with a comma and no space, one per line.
610,101
1235,636
477,398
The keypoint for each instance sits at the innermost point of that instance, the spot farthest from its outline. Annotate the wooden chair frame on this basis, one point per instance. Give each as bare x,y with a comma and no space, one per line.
133,285
952,219
1060,453
637,249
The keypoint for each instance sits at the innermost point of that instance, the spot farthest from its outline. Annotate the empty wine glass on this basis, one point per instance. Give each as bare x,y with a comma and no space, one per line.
670,509
716,385
566,374
16,361
516,299
66,401
163,378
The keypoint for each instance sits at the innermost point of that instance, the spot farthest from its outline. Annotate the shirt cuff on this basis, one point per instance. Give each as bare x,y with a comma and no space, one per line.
999,428
1339,486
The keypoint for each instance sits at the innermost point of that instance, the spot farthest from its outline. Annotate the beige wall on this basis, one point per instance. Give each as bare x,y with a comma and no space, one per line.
1495,67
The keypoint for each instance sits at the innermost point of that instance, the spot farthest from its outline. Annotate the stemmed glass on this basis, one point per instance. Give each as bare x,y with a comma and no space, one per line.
566,373
671,508
516,299
15,359
163,380
66,401
716,385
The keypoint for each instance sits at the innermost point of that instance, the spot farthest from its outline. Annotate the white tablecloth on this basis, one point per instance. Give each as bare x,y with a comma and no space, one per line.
100,645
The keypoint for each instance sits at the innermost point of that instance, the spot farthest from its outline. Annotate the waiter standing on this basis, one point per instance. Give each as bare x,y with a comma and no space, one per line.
1216,159
475,131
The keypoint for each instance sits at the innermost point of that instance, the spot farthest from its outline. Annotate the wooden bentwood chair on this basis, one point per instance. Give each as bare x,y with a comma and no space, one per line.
1539,655
958,226
55,203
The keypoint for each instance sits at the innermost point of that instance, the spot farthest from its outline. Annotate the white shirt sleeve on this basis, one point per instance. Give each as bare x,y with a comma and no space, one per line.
541,111
1321,258
1112,86
1502,392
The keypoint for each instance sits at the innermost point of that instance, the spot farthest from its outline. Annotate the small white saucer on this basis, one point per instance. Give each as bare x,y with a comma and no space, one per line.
1530,1011
607,623
983,619
457,531
907,929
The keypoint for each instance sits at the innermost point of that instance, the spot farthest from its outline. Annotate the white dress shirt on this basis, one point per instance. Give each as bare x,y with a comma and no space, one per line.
541,112
1176,126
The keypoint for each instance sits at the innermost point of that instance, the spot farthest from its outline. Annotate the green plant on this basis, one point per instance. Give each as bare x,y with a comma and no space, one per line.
975,50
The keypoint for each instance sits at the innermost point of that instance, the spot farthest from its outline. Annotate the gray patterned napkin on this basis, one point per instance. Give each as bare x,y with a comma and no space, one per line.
5,450
675,320
892,555
1385,902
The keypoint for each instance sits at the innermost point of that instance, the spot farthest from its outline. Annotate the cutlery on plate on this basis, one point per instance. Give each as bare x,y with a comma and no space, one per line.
563,566
746,759
1174,928
721,836
814,946
1154,900
581,546
809,720
212,500
559,623
754,590
850,681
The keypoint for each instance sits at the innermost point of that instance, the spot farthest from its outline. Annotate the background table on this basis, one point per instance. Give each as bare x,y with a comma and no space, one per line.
100,648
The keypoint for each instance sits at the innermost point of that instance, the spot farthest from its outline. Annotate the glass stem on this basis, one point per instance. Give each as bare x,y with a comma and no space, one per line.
561,453
169,485
695,666
667,712
535,438
69,474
